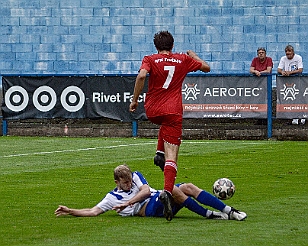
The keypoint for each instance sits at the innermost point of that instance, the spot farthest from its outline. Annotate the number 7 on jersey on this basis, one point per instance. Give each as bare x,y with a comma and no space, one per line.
170,75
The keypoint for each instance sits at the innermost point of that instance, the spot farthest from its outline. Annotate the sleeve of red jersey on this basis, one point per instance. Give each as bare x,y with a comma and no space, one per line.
192,64
146,64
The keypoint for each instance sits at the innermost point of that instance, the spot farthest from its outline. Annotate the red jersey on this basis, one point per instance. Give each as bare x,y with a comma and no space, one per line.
261,66
167,73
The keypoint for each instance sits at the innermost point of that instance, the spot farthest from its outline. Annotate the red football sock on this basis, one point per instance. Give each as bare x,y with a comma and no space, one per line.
170,172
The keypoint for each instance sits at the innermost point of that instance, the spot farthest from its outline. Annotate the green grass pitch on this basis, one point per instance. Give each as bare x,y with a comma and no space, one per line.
39,173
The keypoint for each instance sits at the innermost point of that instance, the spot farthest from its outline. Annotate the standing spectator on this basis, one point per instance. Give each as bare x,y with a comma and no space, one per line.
261,64
163,103
291,64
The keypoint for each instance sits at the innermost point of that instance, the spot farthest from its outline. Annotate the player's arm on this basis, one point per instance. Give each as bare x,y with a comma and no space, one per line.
204,67
85,212
144,193
139,84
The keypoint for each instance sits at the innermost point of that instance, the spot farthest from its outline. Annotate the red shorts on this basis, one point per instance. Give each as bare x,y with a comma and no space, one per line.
170,127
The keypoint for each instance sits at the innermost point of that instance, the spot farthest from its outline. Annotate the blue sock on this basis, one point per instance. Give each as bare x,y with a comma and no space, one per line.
210,200
192,205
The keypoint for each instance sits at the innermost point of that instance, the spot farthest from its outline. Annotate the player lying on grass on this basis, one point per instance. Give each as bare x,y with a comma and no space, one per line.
134,197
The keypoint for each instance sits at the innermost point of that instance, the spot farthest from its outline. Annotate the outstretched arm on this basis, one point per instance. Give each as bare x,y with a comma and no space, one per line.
205,67
85,212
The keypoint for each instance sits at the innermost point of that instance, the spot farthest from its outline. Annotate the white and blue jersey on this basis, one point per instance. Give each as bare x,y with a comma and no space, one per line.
117,197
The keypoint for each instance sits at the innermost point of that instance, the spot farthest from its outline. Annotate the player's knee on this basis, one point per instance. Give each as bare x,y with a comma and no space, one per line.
189,189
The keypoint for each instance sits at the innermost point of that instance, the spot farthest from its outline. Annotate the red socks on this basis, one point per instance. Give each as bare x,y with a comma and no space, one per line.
170,172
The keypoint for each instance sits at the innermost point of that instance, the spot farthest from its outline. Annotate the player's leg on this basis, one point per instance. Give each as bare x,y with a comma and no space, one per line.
170,170
159,158
186,201
202,196
208,199
171,132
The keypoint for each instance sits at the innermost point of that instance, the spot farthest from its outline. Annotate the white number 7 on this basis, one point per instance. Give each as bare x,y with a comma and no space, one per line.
170,75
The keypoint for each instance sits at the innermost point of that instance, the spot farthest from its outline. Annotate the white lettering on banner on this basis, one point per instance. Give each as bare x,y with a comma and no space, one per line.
305,92
222,115
232,92
253,107
128,97
291,108
115,98
101,97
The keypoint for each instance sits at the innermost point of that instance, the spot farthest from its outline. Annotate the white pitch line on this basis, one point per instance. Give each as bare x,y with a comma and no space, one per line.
107,147
75,150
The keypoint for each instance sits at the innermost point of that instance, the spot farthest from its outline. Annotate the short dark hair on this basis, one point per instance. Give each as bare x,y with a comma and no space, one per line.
261,48
289,47
163,40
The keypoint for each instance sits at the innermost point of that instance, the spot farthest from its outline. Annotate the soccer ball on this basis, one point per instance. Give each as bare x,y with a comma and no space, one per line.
223,188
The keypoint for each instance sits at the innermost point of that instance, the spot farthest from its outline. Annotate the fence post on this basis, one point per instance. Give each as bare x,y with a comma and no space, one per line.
269,106
4,127
135,128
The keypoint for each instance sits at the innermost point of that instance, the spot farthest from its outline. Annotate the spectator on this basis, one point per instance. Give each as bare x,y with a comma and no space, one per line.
261,64
291,64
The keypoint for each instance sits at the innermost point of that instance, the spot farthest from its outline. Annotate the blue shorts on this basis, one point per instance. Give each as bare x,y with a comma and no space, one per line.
156,209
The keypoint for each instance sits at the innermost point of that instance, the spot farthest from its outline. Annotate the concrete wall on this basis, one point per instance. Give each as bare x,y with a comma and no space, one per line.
226,129
112,36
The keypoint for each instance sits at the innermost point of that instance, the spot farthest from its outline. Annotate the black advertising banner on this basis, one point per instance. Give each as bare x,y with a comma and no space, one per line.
292,97
70,97
225,97
43,97
110,96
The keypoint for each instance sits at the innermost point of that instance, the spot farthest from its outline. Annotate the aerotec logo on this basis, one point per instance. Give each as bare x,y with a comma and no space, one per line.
190,91
289,92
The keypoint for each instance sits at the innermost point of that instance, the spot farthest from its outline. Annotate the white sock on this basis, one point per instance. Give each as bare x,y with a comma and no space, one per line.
227,209
208,213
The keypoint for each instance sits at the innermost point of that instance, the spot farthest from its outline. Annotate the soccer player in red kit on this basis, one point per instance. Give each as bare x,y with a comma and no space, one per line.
163,103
